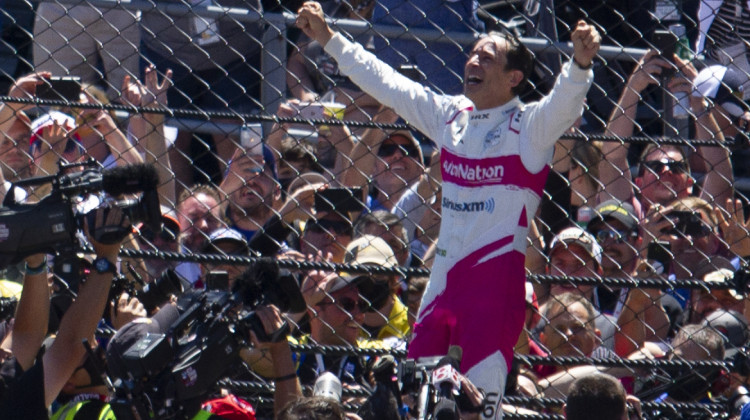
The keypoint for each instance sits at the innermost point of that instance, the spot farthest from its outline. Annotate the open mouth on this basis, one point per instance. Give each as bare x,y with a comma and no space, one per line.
473,80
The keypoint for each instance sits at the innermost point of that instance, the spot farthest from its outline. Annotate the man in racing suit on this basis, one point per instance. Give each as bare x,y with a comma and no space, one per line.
494,155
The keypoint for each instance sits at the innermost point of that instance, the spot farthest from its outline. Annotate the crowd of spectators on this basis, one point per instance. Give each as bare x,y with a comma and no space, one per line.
611,209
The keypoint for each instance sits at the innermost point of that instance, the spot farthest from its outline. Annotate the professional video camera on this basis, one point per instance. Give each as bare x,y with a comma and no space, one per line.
434,382
168,375
151,295
681,384
7,308
51,225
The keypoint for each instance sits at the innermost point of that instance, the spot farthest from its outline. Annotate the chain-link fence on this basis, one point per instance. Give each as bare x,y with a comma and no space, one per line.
267,151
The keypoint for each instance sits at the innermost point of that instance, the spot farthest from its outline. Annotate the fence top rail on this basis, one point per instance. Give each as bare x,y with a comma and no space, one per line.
354,27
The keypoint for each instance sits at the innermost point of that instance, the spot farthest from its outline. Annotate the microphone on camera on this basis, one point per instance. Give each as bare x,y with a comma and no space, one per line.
129,179
447,380
327,386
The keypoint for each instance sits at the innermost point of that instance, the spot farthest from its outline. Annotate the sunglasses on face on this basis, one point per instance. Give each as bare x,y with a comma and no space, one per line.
618,236
348,304
390,149
674,166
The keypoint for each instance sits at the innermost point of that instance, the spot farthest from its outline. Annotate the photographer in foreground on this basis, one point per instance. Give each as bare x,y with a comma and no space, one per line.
31,381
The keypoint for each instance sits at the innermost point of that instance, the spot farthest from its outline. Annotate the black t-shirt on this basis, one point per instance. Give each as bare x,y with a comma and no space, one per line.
22,392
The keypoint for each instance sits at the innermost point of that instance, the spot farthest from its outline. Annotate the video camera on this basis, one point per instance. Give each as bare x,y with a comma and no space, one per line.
151,295
7,308
51,225
169,375
435,382
682,384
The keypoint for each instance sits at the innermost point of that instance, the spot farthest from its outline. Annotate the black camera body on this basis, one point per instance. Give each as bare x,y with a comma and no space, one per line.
169,375
50,226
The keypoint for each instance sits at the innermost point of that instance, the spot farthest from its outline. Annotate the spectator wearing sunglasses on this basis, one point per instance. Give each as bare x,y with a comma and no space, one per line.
387,163
337,312
663,171
387,316
615,227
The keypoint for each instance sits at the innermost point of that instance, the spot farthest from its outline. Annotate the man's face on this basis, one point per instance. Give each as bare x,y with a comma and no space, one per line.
572,261
198,216
487,82
664,177
397,165
570,333
14,152
253,188
339,318
620,246
329,238
691,249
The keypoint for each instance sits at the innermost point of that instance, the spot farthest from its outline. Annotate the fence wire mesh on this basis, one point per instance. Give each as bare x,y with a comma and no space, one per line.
266,151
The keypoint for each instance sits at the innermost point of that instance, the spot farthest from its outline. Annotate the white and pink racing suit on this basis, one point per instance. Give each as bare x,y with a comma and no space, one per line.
494,166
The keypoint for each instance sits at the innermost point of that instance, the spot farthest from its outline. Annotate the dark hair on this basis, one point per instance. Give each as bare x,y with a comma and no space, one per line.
295,150
558,305
199,189
596,397
518,57
380,218
315,408
664,148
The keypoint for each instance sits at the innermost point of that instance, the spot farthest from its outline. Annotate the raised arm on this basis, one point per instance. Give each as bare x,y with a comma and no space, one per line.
148,128
420,106
718,183
32,312
107,227
614,170
364,154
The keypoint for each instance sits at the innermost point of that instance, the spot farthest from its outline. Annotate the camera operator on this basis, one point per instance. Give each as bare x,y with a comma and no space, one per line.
287,386
32,383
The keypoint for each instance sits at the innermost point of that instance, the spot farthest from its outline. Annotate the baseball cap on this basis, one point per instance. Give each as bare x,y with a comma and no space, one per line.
724,86
134,331
305,179
228,237
48,119
731,324
369,249
409,136
335,282
576,235
230,408
622,212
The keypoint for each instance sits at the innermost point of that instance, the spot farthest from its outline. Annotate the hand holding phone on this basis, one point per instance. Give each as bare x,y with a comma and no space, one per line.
659,254
66,88
666,43
339,199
